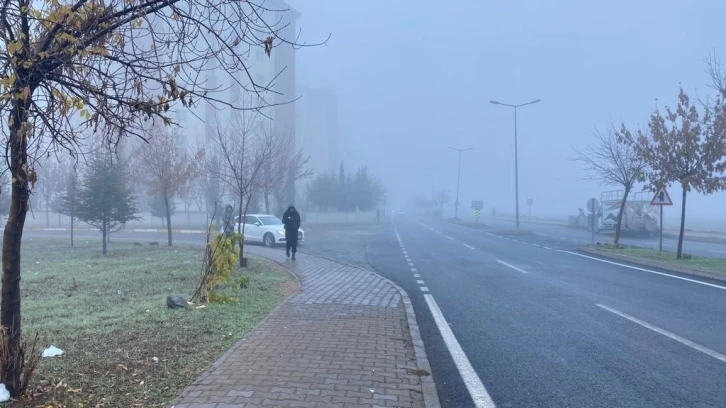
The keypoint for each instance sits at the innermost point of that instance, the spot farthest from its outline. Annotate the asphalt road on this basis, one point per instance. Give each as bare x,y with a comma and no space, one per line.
534,324
582,237
524,321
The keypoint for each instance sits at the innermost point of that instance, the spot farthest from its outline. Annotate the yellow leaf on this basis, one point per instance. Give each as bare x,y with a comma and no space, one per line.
14,46
27,64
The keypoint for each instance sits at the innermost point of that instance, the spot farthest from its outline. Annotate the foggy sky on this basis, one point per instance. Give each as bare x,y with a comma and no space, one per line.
416,76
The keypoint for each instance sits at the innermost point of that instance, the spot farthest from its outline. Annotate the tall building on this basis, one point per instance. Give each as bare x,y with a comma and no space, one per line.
317,128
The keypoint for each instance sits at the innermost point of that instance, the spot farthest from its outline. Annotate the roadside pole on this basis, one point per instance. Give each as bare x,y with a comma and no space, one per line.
661,198
593,206
660,244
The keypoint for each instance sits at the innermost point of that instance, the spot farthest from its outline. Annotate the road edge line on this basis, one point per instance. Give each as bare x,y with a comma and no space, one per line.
473,383
637,268
656,264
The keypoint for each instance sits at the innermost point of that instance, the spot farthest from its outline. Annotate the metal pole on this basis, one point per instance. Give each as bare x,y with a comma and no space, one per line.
458,180
592,226
660,244
516,168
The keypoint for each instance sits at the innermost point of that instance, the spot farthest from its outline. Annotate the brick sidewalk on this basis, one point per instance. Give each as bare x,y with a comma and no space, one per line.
348,338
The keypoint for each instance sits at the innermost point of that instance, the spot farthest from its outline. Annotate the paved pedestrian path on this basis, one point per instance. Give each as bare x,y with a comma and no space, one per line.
348,338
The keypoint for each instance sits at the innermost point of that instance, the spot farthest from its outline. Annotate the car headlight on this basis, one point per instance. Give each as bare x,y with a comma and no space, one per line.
281,232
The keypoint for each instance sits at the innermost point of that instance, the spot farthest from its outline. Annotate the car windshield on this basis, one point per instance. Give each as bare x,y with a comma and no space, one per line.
270,220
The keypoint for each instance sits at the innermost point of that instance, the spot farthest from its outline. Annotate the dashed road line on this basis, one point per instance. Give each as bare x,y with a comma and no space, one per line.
415,275
424,289
469,246
686,342
419,282
449,237
414,269
512,266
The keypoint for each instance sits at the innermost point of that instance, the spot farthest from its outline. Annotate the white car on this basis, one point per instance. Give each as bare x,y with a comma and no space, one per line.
264,228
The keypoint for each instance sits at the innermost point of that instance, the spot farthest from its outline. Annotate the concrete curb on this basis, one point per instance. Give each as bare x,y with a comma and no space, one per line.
656,264
428,385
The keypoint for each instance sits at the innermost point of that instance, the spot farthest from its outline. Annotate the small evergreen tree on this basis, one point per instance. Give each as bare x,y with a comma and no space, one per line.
157,206
105,201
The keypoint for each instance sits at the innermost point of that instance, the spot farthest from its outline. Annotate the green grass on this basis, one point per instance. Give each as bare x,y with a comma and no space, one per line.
713,265
109,315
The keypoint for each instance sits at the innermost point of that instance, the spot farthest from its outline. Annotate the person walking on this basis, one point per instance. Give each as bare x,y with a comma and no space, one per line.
291,220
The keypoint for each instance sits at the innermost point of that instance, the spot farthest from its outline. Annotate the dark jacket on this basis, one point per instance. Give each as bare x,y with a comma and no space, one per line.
291,220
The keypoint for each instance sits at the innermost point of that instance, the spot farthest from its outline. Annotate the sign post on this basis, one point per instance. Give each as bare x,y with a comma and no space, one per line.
530,201
661,198
477,205
593,205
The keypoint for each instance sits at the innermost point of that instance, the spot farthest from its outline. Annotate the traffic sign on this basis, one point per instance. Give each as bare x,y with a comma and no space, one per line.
661,198
530,202
477,204
477,213
593,205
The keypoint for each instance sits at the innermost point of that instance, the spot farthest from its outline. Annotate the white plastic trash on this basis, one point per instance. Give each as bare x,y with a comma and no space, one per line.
52,351
4,393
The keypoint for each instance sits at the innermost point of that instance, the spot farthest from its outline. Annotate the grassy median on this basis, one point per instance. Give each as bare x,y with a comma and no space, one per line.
123,346
711,265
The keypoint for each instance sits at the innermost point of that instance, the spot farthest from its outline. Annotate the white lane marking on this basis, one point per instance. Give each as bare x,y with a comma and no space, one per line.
424,289
473,383
410,264
449,237
512,266
686,342
437,231
546,247
469,246
537,245
644,270
415,275
419,282
414,270
490,234
717,251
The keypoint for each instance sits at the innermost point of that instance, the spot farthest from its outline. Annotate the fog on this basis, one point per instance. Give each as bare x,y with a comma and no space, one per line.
414,77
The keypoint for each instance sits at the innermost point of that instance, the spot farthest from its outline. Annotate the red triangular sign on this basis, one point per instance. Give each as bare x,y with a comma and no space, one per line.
661,197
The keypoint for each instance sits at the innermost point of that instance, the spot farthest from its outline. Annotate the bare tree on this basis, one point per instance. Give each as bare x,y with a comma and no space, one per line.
686,147
108,65
611,162
242,152
283,166
165,168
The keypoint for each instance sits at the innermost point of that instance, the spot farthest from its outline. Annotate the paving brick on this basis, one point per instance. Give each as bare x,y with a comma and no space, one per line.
345,333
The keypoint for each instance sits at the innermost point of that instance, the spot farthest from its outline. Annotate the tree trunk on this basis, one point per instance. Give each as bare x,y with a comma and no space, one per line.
73,221
168,218
47,212
679,253
104,233
267,202
240,230
619,223
12,238
59,219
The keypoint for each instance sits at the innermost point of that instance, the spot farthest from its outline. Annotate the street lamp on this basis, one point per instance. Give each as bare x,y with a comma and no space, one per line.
516,163
458,180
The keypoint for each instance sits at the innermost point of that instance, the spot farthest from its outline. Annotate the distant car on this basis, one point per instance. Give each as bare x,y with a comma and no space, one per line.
264,228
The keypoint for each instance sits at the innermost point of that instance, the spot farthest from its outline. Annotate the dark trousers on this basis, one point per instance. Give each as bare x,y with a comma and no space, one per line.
291,241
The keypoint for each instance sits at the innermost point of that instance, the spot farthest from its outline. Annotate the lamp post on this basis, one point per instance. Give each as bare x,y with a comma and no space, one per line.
516,159
458,179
